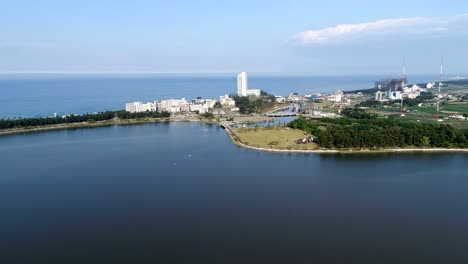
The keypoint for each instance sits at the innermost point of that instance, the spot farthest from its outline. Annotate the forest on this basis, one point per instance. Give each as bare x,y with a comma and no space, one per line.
360,131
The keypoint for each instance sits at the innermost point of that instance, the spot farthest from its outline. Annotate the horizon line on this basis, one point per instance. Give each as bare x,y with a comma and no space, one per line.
206,73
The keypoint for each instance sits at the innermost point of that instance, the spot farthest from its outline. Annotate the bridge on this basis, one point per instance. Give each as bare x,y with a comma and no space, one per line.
227,127
281,114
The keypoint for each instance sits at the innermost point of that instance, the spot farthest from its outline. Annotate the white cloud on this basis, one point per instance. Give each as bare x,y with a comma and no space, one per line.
400,27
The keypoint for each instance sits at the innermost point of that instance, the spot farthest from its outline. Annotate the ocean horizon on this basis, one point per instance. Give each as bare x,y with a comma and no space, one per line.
35,95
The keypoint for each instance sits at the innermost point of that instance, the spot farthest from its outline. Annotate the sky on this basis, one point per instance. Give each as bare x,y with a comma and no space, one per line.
207,36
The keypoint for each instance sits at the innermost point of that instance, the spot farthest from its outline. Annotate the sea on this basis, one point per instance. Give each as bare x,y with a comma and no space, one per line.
182,192
35,95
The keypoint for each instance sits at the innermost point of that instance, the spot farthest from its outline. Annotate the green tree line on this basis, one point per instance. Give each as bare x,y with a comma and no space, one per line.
147,114
42,121
348,133
69,119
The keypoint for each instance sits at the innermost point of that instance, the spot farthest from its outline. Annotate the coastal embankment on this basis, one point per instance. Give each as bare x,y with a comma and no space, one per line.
130,121
114,122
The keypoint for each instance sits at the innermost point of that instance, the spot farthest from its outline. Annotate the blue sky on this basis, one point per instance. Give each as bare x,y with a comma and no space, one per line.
205,36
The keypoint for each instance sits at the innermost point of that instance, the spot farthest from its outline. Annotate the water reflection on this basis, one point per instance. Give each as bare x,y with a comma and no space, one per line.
182,192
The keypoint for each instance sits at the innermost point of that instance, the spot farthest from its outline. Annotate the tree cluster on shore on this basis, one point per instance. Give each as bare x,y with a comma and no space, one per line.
361,131
252,104
42,121
147,114
207,115
70,119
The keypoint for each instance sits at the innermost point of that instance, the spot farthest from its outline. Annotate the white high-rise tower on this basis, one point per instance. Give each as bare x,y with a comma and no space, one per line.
242,84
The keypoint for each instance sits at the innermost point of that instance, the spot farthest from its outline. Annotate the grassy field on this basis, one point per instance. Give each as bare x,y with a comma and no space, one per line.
456,108
324,104
428,117
460,88
396,110
274,138
426,110
425,115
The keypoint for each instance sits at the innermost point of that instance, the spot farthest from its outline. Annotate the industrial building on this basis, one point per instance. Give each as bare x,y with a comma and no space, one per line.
391,84
380,96
394,95
407,92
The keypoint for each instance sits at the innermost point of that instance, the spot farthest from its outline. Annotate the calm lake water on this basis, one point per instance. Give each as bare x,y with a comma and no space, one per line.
44,95
183,193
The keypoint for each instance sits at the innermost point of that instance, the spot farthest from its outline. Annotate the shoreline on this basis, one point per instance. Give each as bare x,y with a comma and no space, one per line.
119,122
236,140
108,123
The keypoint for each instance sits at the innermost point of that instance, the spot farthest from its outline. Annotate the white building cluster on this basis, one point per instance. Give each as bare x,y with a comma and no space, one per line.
294,98
280,99
172,106
338,98
198,105
137,107
225,100
202,105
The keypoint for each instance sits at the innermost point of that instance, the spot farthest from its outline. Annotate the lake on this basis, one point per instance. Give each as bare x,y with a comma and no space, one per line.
183,193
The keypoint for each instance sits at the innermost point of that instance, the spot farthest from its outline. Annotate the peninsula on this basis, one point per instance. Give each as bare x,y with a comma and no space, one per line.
351,134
